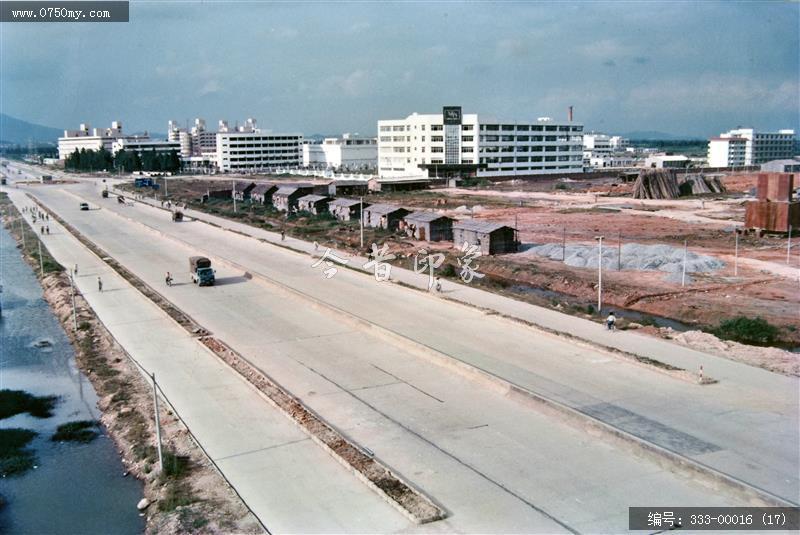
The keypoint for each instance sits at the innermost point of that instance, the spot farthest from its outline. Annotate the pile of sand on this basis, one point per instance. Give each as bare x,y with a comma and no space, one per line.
769,358
635,257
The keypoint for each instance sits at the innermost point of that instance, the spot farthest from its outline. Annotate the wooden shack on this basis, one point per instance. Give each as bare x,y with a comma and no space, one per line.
315,204
241,190
262,193
286,197
398,184
346,209
491,238
428,226
385,216
348,187
217,194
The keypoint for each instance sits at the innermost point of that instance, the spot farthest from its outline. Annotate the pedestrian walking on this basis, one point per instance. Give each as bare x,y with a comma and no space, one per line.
168,279
43,230
438,284
283,234
99,284
47,229
611,320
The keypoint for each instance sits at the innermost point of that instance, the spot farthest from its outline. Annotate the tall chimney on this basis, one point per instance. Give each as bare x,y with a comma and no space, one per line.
569,114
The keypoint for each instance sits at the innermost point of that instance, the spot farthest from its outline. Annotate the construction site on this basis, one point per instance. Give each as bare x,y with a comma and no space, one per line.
681,253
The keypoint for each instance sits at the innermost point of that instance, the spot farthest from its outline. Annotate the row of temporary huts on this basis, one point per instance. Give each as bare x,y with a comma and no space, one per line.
490,238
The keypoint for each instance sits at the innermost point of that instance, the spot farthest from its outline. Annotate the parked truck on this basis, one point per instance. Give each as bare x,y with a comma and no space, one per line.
200,268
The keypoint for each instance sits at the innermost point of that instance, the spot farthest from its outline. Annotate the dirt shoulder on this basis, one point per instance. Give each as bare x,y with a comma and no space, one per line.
190,496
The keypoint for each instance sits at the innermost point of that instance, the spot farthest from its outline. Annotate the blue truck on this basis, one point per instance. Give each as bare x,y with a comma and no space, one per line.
201,271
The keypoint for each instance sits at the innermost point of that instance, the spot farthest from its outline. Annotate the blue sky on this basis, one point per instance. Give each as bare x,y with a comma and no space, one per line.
690,68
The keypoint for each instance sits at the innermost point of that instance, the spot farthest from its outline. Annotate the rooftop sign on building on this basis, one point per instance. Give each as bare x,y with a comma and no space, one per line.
452,114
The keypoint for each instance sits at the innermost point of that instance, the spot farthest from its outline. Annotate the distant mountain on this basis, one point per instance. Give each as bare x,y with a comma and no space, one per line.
651,134
17,131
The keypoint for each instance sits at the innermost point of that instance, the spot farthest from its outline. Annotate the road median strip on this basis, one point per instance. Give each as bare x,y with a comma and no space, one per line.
394,489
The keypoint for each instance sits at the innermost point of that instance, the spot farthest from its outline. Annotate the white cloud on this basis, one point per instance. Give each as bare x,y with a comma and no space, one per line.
210,87
716,92
605,49
512,48
436,50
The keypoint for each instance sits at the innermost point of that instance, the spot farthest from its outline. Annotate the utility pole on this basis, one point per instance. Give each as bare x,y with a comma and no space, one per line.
361,217
619,251
41,261
158,422
599,273
233,194
683,274
22,231
736,253
74,314
789,245
564,244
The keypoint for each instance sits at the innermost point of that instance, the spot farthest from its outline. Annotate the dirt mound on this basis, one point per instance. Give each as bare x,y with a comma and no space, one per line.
770,358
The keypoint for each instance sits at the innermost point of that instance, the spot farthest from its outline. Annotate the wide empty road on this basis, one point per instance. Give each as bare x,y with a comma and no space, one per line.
494,464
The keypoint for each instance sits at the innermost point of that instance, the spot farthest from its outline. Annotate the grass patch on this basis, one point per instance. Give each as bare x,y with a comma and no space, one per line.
15,457
177,494
80,431
752,331
14,402
175,466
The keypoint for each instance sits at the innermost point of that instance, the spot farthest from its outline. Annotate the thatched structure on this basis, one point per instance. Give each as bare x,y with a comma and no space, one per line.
656,184
700,184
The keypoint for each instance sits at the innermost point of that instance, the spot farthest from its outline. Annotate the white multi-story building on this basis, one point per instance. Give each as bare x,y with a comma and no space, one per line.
745,146
667,161
181,136
619,143
441,144
597,144
611,161
144,144
246,148
345,153
598,148
727,152
204,142
88,138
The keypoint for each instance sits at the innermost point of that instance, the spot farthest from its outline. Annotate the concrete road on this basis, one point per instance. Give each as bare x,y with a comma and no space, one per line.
745,426
287,480
493,463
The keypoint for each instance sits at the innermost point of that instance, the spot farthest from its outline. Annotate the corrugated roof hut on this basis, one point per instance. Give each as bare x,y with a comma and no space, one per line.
346,209
429,226
386,216
315,204
491,238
